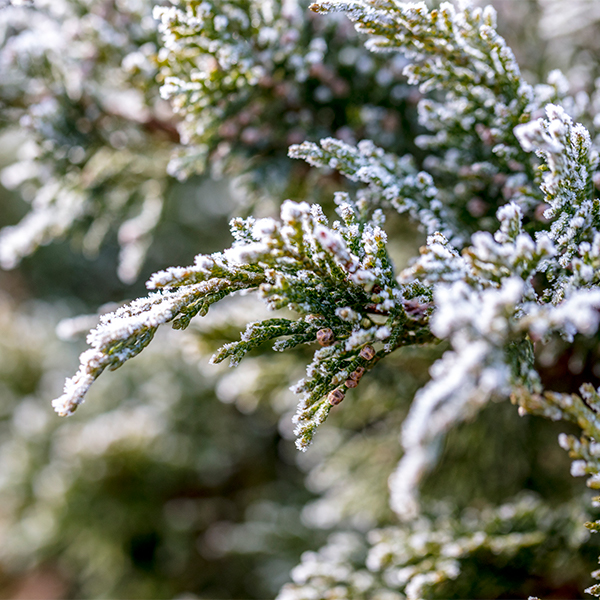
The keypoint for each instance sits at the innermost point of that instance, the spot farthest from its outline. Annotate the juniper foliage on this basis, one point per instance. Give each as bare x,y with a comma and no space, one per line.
424,559
503,186
131,497
82,81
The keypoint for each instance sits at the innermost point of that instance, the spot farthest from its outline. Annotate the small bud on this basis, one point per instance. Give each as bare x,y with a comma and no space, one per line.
335,397
351,383
368,352
357,373
325,337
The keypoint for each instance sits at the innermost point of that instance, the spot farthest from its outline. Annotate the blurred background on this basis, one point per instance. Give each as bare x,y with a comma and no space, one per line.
178,479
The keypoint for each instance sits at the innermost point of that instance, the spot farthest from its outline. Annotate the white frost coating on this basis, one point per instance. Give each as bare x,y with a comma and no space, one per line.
394,180
571,161
463,380
363,277
347,314
580,313
509,212
111,341
292,212
164,278
77,386
461,308
360,338
532,136
383,333
246,253
578,468
264,228
333,242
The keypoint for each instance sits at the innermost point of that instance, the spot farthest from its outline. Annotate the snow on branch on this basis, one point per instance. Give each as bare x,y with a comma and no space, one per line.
396,181
339,280
495,280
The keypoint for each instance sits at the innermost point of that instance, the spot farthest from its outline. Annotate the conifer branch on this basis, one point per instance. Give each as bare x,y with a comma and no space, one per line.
494,297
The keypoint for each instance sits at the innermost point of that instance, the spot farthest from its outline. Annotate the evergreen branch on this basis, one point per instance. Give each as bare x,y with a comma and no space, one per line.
459,53
299,332
340,367
126,332
249,81
480,298
97,149
339,280
452,50
396,181
431,556
567,178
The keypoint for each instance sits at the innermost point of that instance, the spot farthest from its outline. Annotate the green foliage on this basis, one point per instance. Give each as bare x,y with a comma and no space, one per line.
134,500
476,554
499,176
75,76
